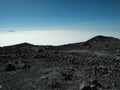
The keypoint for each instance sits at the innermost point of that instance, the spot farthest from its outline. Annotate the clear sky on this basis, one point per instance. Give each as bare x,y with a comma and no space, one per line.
45,15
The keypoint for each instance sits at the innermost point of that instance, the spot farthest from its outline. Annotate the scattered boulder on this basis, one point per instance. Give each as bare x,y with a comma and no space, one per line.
87,45
0,86
10,67
41,50
118,51
68,74
17,65
90,85
54,84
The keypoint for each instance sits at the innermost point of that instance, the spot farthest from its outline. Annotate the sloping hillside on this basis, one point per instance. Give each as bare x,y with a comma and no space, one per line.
90,65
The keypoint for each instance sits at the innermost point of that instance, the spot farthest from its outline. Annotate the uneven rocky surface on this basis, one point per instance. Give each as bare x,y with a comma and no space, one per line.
90,65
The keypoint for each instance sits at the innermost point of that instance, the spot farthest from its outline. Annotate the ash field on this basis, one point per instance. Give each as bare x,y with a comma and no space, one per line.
90,65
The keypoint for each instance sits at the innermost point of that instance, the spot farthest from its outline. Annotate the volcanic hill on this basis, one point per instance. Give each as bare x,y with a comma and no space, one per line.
90,65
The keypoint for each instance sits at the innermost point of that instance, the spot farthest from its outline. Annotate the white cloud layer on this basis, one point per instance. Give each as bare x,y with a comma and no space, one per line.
49,37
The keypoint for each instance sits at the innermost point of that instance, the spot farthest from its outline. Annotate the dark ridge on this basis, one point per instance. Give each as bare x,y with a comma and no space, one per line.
95,42
24,44
98,38
101,38
21,45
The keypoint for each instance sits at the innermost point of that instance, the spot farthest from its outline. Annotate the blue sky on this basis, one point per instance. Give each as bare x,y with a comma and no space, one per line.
39,14
90,15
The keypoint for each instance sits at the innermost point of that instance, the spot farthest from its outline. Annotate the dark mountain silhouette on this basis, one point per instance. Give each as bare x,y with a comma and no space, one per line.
101,38
25,44
90,65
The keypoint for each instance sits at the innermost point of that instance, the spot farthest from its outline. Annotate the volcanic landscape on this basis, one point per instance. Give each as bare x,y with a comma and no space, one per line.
90,65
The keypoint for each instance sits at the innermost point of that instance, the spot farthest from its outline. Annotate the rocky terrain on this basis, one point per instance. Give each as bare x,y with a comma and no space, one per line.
90,65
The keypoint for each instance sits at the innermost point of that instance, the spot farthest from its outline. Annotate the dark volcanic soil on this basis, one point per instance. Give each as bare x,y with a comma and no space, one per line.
90,65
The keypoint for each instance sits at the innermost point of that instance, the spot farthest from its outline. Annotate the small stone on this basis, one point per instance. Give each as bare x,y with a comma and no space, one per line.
92,86
113,84
118,51
0,86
